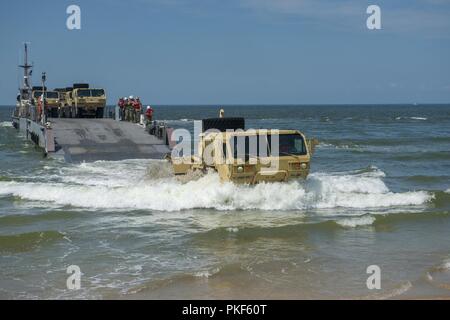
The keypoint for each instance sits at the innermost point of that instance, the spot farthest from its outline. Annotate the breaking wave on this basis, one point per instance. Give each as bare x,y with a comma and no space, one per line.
137,186
412,118
357,221
6,124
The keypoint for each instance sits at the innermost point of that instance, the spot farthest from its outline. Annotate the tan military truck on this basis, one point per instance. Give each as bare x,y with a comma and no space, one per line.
249,157
51,98
86,102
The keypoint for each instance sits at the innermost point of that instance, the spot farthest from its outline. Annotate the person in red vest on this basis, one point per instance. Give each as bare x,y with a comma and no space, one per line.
121,105
39,108
136,104
149,114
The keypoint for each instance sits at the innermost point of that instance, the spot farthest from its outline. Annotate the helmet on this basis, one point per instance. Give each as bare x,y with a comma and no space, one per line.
131,97
148,107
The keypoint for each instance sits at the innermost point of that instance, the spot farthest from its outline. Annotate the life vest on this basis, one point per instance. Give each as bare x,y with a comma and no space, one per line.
136,105
39,105
149,113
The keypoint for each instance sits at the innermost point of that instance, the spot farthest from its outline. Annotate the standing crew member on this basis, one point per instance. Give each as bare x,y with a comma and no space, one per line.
130,109
137,109
39,108
149,114
121,105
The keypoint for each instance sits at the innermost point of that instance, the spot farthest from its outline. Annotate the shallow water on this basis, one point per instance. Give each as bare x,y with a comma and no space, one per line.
379,194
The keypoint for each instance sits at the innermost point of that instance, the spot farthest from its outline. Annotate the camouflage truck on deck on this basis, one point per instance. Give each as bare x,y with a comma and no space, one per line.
83,101
51,98
251,156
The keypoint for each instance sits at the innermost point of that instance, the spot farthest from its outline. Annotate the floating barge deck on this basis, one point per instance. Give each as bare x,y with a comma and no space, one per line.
87,140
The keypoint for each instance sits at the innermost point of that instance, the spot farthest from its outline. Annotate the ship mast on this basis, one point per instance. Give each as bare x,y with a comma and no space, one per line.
25,90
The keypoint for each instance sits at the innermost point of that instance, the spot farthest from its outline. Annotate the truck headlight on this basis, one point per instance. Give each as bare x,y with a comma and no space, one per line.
240,169
303,165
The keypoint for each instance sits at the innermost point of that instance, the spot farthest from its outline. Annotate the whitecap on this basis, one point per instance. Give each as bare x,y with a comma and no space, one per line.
357,221
128,186
6,124
206,273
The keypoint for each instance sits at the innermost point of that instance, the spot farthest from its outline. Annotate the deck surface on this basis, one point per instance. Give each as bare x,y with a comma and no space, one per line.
88,140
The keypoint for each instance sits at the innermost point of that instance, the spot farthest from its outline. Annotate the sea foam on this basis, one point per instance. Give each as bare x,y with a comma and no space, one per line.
129,186
357,221
6,124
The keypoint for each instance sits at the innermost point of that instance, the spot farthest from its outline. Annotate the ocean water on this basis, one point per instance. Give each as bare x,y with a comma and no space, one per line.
378,194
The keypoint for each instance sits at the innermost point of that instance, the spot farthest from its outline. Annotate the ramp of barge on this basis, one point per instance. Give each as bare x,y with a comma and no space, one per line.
78,140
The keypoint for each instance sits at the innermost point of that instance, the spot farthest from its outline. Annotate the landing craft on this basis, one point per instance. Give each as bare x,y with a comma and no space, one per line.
52,120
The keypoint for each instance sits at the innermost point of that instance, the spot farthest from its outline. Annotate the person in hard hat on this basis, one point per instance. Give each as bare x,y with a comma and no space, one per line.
138,103
137,106
125,106
121,105
149,114
130,109
39,108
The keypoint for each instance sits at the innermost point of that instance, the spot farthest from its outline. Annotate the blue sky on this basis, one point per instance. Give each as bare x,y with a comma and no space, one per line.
235,51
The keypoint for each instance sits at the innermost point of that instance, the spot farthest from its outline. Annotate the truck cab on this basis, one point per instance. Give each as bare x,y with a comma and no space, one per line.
87,102
52,101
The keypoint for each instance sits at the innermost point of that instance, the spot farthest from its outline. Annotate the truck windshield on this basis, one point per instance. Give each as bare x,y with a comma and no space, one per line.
84,93
244,147
97,92
288,144
51,95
